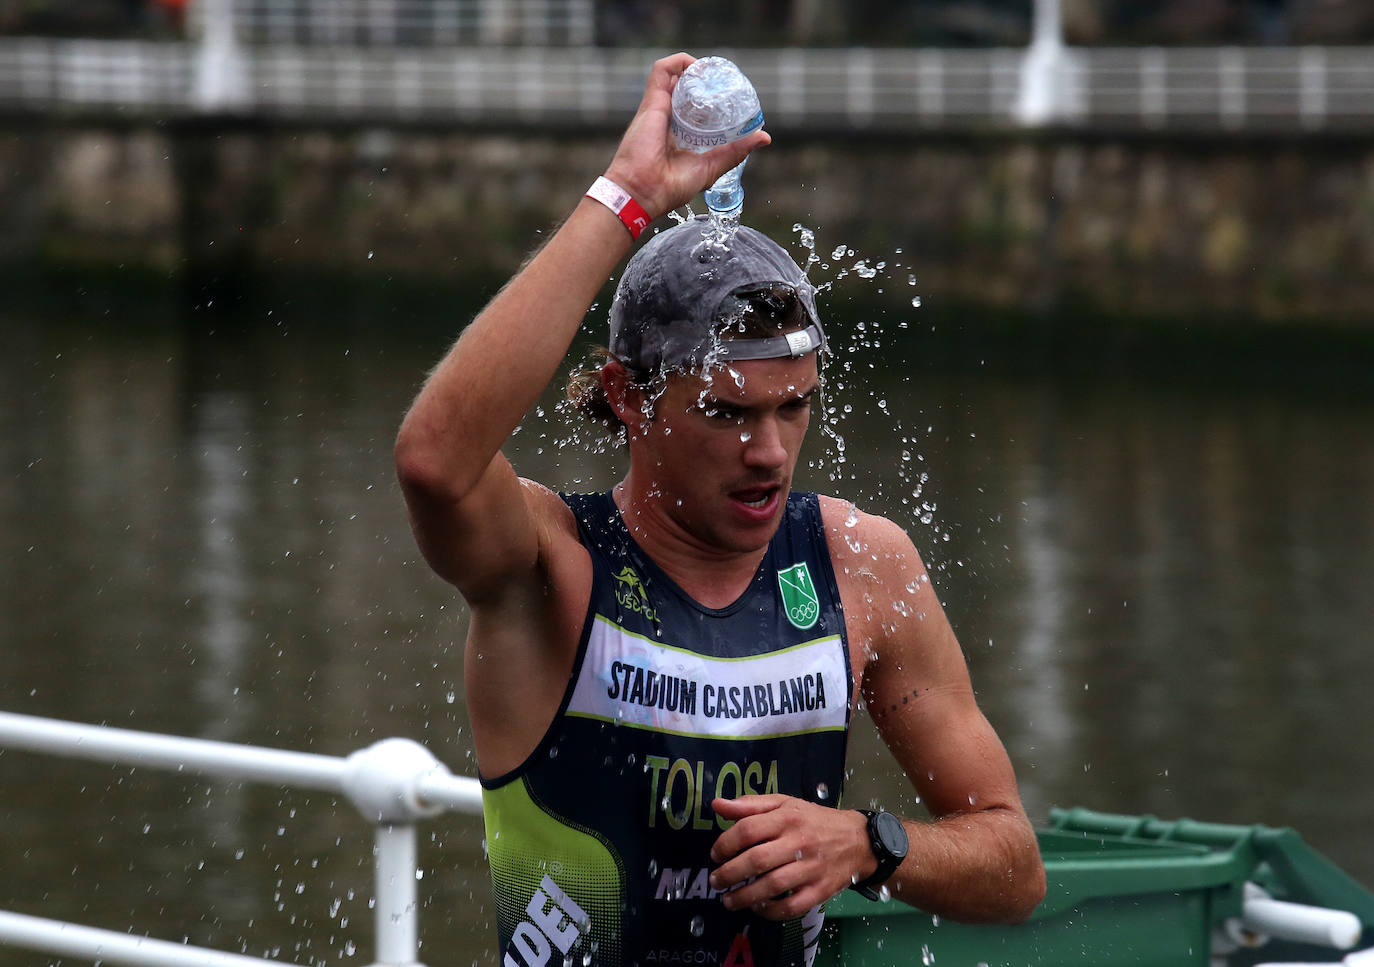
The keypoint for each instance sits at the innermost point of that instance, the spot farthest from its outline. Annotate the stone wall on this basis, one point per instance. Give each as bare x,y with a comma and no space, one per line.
1223,229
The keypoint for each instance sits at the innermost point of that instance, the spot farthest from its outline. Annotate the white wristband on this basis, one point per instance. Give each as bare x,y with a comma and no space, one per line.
620,201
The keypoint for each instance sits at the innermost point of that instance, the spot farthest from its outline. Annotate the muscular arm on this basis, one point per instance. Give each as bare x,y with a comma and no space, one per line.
510,546
476,525
977,860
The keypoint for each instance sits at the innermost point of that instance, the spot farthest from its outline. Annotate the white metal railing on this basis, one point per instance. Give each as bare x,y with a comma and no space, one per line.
889,90
411,23
393,783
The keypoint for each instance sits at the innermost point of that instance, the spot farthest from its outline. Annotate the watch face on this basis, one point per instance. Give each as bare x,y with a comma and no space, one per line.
891,834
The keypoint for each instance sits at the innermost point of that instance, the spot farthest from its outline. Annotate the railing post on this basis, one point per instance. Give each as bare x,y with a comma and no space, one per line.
930,88
1154,87
1312,87
1041,98
859,96
397,914
221,77
1231,86
384,782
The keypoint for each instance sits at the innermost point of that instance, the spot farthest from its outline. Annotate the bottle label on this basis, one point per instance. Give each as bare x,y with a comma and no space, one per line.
753,124
706,140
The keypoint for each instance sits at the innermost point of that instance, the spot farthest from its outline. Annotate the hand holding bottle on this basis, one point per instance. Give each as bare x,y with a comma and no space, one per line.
715,104
647,164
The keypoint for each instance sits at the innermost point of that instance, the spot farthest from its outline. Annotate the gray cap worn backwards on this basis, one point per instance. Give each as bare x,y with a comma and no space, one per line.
684,285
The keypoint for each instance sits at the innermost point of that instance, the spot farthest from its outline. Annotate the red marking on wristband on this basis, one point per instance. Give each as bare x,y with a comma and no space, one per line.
619,201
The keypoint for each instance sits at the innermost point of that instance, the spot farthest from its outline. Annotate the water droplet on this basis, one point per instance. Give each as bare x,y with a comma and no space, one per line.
745,437
916,302
822,791
697,926
927,957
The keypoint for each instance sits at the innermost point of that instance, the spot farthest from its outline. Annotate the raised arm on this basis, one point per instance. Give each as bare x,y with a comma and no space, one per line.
474,521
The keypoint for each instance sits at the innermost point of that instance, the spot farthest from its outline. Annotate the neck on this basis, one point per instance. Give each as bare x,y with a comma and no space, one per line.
713,576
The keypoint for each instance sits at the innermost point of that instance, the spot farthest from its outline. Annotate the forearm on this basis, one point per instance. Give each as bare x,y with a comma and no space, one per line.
505,358
978,867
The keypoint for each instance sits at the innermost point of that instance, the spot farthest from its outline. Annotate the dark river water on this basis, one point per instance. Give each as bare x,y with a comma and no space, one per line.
1163,589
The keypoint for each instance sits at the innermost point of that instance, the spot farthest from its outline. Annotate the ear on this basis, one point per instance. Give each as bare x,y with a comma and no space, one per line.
625,398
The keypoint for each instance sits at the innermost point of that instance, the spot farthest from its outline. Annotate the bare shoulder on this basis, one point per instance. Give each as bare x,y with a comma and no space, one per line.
866,547
553,517
564,567
523,637
892,614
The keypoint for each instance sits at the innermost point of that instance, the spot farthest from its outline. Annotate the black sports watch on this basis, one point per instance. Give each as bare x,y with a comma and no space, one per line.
887,837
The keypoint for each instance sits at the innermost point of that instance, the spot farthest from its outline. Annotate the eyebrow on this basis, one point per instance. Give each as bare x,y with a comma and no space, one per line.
708,399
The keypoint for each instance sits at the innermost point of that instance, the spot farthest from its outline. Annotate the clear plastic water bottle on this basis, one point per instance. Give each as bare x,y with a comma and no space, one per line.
714,104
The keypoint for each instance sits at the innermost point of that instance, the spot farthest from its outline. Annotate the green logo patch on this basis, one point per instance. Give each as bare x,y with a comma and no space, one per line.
632,594
799,596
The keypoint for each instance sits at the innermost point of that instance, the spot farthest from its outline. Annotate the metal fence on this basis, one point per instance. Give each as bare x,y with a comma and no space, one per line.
395,784
888,91
1236,88
410,23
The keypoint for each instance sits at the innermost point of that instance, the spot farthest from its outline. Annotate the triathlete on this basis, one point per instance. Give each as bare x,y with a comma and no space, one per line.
660,678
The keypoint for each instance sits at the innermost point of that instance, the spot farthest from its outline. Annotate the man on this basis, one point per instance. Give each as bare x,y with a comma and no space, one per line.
660,678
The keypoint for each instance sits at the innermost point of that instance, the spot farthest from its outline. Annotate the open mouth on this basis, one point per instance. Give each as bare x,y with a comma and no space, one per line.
756,498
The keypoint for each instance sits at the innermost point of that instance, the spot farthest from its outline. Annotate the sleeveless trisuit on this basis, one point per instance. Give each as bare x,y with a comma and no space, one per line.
599,842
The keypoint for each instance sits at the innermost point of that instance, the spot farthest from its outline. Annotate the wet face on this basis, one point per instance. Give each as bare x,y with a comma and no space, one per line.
718,454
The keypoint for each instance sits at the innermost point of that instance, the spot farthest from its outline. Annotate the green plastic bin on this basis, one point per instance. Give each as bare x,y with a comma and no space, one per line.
1120,890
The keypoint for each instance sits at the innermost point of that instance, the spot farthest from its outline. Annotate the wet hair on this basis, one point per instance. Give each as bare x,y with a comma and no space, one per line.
760,311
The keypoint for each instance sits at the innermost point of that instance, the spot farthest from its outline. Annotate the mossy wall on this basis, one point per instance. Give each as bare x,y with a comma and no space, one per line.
1239,231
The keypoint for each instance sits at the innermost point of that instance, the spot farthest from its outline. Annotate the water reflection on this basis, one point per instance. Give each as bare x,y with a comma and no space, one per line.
1160,592
221,589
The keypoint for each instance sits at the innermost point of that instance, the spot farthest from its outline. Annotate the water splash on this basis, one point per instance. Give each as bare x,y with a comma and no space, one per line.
724,226
807,238
839,452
